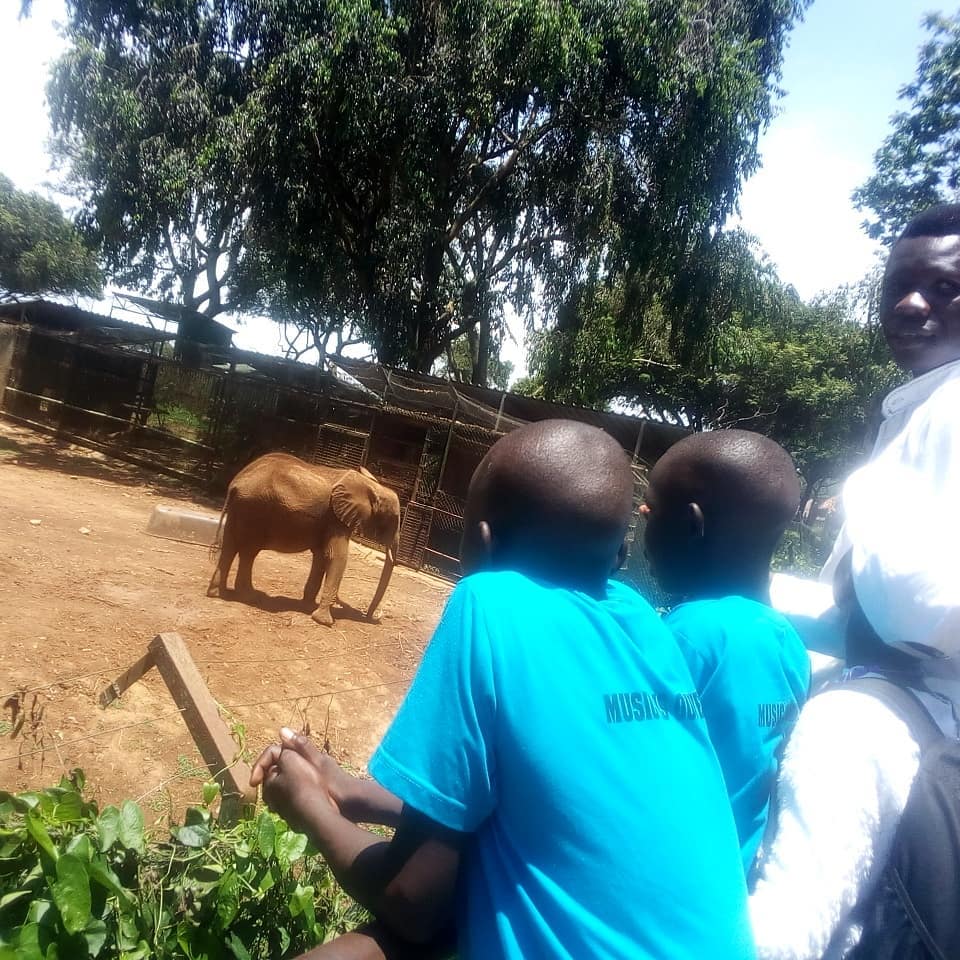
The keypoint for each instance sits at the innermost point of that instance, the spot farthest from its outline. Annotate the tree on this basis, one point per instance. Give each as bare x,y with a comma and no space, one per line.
433,158
141,106
918,164
40,250
808,375
460,361
418,164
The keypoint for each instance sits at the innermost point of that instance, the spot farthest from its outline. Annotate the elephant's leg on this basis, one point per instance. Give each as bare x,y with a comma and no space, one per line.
244,582
336,563
312,586
228,553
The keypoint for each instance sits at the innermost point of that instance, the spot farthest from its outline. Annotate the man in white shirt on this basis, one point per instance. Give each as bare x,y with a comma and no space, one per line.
851,761
920,432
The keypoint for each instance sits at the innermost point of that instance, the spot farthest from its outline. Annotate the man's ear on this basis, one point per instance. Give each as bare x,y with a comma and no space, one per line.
697,523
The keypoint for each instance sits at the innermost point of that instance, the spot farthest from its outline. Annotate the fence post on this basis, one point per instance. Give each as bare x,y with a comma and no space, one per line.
503,397
8,340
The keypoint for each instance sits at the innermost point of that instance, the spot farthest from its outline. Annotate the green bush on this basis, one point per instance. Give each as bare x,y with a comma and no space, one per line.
803,550
79,882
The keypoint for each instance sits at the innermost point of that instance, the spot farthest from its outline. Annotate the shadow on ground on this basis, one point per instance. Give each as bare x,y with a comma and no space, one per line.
43,451
281,604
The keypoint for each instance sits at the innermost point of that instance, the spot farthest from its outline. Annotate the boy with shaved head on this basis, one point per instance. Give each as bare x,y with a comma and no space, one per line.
716,507
550,762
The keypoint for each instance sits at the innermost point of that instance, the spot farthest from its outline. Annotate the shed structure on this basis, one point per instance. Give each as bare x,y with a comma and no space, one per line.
205,412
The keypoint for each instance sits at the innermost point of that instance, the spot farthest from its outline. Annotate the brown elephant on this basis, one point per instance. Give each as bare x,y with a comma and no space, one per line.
281,503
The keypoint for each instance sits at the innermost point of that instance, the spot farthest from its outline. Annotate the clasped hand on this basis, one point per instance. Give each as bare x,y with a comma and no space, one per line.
298,780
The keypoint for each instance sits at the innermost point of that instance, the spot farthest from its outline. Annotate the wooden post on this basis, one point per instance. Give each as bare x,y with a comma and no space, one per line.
169,654
127,679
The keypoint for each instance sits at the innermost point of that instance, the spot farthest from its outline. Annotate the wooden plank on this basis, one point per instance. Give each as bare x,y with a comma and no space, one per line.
127,679
216,746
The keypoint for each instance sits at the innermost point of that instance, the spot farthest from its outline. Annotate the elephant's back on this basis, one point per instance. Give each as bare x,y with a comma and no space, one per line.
279,485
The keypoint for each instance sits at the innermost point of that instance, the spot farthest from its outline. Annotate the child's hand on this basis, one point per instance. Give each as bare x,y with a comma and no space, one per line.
299,781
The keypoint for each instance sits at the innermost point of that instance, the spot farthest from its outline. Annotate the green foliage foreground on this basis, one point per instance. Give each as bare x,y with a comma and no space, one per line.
79,882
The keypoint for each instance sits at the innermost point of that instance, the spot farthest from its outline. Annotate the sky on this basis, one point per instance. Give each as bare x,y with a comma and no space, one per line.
842,71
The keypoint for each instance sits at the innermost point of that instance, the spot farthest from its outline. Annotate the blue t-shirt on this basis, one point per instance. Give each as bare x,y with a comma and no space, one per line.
565,734
752,672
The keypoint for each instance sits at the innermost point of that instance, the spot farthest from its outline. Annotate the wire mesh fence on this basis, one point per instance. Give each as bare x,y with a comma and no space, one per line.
203,420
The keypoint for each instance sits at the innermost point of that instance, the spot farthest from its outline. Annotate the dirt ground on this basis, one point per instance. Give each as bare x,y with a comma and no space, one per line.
83,589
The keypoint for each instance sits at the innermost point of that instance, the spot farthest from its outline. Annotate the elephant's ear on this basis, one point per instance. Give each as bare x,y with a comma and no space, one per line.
352,499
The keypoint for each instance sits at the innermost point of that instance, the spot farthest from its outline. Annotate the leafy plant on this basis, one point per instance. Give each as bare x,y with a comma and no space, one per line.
79,882
40,249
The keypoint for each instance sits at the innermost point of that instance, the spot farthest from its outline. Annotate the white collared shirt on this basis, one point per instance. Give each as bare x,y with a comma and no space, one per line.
921,433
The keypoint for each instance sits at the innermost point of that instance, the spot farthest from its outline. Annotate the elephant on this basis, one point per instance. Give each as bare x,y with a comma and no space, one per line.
279,502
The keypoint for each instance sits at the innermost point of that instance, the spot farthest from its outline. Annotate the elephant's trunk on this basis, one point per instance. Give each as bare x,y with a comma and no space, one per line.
389,559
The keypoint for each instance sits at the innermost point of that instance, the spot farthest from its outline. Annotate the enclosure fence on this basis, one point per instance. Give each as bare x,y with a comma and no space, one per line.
202,423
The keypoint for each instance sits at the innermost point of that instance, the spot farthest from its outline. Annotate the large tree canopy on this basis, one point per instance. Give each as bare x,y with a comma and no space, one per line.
409,168
918,164
40,249
142,105
807,375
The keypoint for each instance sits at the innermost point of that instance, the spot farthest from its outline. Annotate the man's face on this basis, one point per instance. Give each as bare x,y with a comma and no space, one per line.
920,302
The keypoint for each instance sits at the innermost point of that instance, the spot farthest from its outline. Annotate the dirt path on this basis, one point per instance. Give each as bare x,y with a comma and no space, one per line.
83,589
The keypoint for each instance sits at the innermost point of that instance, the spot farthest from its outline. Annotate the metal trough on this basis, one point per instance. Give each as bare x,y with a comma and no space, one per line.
188,526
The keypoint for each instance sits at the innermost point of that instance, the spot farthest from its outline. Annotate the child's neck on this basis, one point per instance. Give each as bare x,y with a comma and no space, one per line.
752,583
557,574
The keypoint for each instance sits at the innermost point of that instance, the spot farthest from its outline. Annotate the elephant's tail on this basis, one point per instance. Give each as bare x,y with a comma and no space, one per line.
218,540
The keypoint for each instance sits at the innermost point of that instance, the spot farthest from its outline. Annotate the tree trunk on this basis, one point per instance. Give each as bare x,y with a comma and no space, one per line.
482,362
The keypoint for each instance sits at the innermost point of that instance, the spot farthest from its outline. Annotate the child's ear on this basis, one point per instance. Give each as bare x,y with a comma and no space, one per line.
476,548
697,523
486,541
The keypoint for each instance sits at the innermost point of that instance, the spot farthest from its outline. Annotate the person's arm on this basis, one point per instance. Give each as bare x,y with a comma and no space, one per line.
843,784
407,882
373,942
359,800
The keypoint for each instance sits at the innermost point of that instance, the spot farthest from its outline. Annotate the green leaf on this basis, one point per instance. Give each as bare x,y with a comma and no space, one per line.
28,943
237,948
9,899
130,830
81,847
128,933
194,836
68,807
266,833
290,847
71,893
228,899
108,827
301,904
101,874
42,912
96,936
211,790
141,951
197,816
39,833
